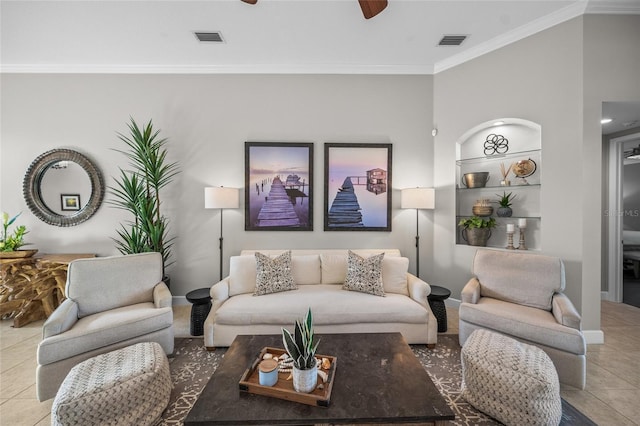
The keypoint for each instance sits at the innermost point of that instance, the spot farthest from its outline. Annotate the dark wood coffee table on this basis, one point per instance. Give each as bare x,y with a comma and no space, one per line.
378,380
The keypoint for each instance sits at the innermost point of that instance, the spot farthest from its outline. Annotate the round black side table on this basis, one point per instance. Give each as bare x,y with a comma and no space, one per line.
201,300
436,302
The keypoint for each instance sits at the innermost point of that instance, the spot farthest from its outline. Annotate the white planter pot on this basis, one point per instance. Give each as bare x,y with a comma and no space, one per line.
305,380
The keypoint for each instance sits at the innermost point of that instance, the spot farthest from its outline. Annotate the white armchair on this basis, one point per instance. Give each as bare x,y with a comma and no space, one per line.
112,302
520,295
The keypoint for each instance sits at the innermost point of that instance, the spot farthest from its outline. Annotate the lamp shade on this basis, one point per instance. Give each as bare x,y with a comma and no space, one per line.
218,197
418,198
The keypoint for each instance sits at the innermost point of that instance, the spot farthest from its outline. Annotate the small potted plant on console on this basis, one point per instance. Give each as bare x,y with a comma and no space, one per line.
505,200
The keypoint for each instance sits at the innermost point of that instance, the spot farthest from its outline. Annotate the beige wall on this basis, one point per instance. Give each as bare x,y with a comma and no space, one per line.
207,119
559,79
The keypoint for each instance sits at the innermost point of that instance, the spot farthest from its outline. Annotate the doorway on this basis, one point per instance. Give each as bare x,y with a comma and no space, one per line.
623,205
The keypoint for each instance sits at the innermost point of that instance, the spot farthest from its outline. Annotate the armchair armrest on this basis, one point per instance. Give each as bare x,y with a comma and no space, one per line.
418,289
564,312
471,291
61,320
162,296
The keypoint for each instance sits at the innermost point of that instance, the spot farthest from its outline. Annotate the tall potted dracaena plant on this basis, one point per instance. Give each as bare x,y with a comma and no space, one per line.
137,190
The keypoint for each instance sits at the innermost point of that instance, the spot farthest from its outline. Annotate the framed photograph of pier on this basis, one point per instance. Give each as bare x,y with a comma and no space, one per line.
279,186
357,187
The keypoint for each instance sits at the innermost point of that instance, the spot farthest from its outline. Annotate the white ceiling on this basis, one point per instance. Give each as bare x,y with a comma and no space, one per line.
273,36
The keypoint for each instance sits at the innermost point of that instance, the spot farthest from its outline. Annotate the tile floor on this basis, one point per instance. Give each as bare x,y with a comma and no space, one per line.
611,396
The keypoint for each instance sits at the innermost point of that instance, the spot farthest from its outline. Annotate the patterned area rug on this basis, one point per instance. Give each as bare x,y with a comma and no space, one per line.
192,366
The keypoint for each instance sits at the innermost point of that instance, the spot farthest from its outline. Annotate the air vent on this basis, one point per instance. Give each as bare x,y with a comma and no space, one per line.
452,40
214,37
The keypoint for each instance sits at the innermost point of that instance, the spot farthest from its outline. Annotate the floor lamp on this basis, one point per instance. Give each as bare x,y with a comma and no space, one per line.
218,197
419,199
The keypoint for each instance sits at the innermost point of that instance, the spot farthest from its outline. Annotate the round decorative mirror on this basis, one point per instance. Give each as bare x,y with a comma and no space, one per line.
63,187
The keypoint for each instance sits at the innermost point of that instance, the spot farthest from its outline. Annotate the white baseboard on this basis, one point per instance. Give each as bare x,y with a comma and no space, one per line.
179,300
452,303
604,295
593,337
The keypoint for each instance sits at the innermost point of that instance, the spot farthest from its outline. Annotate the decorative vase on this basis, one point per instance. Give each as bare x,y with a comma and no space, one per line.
476,236
504,212
305,381
482,208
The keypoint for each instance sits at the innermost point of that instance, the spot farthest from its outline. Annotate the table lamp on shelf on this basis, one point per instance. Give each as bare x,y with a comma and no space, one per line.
419,199
219,197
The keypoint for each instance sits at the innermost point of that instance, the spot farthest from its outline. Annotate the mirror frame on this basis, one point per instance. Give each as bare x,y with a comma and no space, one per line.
33,195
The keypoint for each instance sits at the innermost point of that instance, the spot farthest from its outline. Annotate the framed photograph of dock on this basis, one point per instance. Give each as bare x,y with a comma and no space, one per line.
357,187
279,186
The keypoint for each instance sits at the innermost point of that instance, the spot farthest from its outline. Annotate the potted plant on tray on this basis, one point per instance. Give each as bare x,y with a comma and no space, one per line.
505,200
301,347
11,243
138,191
476,230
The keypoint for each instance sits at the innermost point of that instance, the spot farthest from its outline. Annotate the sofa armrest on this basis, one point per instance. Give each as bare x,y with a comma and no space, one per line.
219,294
162,296
564,312
61,320
471,291
418,289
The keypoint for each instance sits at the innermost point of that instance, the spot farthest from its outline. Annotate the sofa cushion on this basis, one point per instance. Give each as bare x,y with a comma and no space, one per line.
364,274
522,278
394,275
334,268
530,324
273,275
242,275
329,304
306,269
104,329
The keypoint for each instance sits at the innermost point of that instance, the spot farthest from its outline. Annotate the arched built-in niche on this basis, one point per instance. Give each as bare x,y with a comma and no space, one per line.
514,144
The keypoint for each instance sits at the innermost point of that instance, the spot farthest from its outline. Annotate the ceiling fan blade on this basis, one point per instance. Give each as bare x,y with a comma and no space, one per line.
371,8
250,1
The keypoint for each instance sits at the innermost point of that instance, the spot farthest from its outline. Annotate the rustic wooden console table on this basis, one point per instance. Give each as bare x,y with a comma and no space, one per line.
32,288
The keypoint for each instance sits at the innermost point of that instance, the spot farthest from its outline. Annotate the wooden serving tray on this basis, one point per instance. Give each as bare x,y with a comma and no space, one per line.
283,389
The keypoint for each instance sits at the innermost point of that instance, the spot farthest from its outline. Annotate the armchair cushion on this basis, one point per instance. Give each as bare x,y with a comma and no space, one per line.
104,329
531,324
61,320
162,296
129,279
564,311
525,279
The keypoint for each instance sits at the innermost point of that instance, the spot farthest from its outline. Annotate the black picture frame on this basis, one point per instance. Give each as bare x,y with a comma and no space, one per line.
357,186
284,172
70,202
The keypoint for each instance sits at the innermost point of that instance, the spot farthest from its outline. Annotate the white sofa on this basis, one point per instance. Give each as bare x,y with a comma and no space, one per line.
319,276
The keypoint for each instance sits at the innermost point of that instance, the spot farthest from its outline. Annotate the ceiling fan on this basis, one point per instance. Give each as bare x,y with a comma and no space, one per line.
370,8
633,154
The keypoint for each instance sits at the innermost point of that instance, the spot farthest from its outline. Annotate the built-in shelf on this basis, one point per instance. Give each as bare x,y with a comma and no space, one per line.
520,141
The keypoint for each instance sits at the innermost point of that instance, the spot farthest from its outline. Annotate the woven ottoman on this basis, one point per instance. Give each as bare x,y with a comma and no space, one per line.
512,382
129,386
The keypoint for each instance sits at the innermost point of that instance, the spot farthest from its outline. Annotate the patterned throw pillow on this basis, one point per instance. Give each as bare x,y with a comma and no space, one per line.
273,275
364,275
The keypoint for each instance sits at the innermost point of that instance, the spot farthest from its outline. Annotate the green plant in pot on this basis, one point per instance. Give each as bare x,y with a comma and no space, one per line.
505,200
137,190
10,243
301,347
476,230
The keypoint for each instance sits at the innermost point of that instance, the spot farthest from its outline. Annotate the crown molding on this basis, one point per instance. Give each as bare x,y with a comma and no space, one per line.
613,7
216,69
541,24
